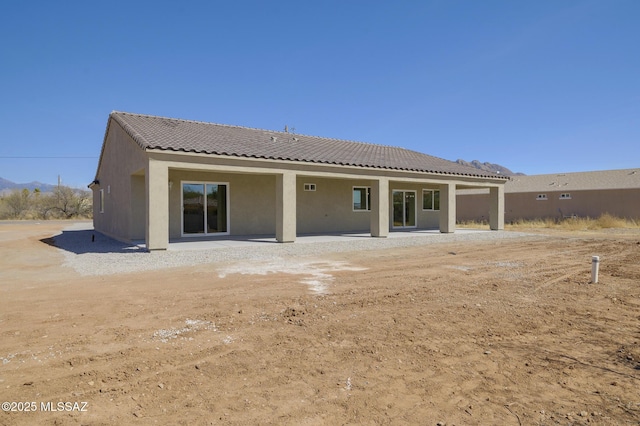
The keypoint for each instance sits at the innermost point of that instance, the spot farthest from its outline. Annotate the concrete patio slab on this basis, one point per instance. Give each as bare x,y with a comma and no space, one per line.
209,242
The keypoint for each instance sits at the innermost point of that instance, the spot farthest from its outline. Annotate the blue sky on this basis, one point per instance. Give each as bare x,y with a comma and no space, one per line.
539,86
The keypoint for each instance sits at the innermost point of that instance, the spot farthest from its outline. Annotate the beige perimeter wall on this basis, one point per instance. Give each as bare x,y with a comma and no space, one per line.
619,202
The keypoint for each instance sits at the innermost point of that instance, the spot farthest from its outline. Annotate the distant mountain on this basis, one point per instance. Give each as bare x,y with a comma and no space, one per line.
8,185
489,167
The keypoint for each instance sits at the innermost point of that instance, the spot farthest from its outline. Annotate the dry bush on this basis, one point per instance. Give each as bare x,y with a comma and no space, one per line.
63,203
576,224
535,223
472,224
610,221
605,221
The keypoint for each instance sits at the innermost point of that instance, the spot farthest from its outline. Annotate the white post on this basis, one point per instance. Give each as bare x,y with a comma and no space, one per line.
595,264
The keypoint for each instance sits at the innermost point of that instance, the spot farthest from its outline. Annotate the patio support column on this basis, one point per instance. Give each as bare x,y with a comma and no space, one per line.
380,207
448,208
496,208
157,217
286,207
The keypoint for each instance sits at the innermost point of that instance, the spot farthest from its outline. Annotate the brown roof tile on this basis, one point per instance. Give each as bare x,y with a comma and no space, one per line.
599,180
152,132
576,181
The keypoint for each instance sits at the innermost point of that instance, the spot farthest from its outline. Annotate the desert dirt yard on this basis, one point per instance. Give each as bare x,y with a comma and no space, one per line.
496,332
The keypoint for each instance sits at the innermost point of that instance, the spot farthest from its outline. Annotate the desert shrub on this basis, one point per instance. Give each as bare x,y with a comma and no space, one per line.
472,223
532,223
63,203
610,221
5,211
575,223
606,220
67,203
17,204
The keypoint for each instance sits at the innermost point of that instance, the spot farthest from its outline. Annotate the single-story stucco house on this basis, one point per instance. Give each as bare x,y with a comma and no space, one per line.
162,178
560,195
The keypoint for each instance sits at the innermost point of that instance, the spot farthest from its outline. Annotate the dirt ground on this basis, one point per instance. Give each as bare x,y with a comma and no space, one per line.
505,332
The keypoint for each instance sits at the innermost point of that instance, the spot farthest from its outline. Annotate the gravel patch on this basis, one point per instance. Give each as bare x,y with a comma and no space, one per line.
91,253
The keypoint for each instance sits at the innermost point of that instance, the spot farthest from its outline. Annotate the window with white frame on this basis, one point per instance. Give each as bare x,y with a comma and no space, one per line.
101,201
430,199
565,196
541,197
361,198
309,186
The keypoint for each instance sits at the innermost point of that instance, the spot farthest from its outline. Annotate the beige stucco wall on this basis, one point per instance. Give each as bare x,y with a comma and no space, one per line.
618,202
121,158
138,207
330,207
252,204
425,219
251,201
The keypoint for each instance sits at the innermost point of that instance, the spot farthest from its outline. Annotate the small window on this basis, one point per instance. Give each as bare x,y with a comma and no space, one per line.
101,201
430,199
541,197
361,198
309,186
565,196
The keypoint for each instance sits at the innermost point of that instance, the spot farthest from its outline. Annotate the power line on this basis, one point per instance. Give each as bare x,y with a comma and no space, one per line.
44,157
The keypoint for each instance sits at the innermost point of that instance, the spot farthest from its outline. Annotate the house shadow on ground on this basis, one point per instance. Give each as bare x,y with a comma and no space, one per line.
81,241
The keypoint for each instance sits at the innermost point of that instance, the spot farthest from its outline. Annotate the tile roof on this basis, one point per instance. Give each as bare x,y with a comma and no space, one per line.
577,181
567,182
169,134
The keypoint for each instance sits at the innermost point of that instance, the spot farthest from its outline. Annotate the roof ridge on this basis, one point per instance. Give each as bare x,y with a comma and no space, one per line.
183,120
560,174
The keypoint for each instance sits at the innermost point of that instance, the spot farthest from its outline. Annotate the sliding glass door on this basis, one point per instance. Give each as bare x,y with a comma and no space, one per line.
404,209
204,208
